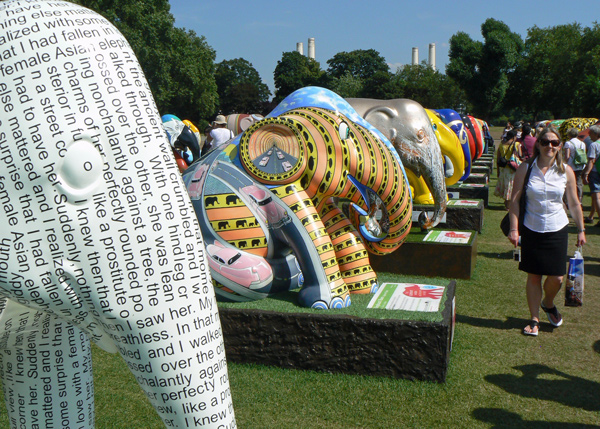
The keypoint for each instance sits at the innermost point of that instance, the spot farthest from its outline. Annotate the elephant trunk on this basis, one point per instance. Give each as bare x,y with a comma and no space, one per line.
428,164
437,185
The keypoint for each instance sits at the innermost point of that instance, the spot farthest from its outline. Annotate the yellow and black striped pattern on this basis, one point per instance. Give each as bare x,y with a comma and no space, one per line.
579,124
305,211
324,161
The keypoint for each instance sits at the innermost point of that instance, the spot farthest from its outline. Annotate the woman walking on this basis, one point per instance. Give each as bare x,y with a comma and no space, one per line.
509,149
543,234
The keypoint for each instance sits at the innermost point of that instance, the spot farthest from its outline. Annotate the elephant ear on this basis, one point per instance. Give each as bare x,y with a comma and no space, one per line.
273,150
381,118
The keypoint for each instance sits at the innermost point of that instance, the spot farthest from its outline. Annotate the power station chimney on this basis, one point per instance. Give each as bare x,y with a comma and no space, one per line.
432,55
311,47
415,56
300,48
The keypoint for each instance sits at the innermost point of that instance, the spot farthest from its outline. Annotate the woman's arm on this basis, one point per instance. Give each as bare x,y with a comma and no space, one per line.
586,170
513,208
575,206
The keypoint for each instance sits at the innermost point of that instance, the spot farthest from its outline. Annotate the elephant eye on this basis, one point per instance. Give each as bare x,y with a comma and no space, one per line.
344,131
421,135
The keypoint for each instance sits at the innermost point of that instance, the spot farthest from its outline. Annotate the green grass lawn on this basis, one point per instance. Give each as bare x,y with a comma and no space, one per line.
497,377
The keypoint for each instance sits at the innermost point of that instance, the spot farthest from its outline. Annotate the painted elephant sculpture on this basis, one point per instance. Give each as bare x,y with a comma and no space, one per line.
479,136
452,154
99,239
239,122
185,140
301,196
453,120
406,124
580,124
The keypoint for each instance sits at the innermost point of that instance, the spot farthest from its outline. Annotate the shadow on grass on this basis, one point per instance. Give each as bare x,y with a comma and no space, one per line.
500,418
545,383
509,323
495,255
596,346
591,269
496,208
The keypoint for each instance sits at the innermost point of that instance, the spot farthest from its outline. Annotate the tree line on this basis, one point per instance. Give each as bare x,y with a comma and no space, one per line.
553,73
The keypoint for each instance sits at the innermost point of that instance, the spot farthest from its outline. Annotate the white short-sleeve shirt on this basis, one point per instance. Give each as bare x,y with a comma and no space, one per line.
545,210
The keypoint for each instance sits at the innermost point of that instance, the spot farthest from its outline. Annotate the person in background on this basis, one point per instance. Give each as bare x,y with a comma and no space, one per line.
538,129
518,129
218,135
527,142
571,148
590,174
507,128
543,237
506,175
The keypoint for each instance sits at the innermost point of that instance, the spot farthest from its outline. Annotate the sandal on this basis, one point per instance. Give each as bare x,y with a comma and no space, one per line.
532,325
552,312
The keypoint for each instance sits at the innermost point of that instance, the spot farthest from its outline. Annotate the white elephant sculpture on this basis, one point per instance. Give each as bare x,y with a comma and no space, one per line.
406,124
99,238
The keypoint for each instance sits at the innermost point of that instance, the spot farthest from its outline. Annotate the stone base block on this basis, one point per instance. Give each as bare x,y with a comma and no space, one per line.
469,191
413,350
475,177
461,214
482,167
431,259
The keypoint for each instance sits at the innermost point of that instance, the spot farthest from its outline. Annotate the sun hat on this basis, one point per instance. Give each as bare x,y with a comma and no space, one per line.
221,120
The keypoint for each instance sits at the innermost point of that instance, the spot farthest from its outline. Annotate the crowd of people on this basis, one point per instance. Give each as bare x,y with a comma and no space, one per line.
550,175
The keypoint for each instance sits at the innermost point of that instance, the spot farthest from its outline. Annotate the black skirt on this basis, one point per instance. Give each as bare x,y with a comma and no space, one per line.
544,253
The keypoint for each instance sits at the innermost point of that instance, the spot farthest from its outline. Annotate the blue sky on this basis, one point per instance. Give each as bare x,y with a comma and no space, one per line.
260,31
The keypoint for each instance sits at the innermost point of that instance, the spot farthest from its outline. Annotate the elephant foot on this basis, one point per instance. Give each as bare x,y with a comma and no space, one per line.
309,297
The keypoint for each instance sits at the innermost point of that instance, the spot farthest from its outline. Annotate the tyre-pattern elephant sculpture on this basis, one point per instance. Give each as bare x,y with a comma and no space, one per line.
315,188
99,239
406,124
453,120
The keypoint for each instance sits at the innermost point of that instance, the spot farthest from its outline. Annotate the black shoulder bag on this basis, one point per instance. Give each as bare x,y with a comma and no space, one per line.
505,222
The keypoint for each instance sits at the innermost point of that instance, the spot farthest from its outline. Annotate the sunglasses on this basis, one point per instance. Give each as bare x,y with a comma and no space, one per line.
546,142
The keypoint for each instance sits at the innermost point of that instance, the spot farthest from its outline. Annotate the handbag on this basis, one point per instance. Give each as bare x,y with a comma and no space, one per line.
505,222
574,282
514,161
502,160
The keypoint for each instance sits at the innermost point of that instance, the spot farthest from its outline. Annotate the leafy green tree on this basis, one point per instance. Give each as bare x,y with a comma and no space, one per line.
295,71
428,87
178,64
481,69
360,64
545,78
346,86
382,85
586,100
240,88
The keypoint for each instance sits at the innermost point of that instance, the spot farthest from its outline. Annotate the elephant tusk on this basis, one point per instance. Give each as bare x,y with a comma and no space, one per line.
448,167
424,221
375,218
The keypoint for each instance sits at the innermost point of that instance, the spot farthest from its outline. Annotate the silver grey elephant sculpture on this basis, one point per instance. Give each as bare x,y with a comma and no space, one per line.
99,239
406,124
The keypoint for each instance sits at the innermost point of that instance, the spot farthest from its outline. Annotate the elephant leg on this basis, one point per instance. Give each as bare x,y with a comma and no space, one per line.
323,286
352,256
45,385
